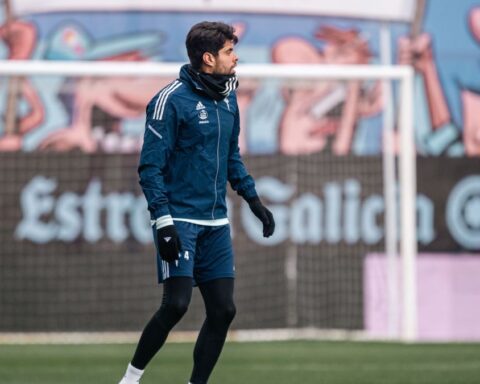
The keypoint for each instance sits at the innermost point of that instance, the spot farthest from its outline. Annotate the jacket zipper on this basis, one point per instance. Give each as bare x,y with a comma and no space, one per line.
218,160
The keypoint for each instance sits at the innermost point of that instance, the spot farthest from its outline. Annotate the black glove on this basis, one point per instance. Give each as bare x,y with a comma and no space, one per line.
263,214
168,243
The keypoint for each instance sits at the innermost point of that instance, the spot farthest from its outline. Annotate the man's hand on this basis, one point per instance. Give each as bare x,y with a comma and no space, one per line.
264,215
168,243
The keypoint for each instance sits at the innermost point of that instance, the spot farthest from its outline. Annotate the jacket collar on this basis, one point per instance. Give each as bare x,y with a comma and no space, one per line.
187,78
216,87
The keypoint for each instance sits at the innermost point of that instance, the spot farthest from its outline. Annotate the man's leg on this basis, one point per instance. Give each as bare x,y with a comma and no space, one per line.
177,292
220,308
176,298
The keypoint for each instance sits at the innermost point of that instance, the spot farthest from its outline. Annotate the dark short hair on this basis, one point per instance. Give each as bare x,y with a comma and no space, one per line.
207,36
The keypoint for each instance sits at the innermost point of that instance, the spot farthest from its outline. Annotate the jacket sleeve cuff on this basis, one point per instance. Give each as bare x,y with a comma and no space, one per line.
163,221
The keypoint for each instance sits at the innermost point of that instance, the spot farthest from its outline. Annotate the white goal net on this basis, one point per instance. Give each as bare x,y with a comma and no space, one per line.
332,152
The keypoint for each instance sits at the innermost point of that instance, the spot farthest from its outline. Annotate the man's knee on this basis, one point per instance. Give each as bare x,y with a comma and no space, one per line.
230,313
172,309
176,298
224,314
176,306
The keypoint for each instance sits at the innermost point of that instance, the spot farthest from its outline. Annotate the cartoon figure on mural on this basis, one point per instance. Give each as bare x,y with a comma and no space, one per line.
439,133
107,101
100,105
20,38
331,111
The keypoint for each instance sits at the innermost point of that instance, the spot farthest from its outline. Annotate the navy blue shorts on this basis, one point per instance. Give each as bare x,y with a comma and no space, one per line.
207,253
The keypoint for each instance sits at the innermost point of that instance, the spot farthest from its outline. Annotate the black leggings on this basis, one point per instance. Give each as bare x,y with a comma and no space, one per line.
220,309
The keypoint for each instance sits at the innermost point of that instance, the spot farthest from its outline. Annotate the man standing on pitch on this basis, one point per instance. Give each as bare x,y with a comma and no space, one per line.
190,150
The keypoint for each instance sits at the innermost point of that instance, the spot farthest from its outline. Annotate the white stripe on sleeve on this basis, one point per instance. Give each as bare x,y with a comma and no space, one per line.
161,97
164,102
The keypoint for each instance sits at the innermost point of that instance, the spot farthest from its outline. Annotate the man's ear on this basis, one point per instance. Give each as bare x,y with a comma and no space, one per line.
208,59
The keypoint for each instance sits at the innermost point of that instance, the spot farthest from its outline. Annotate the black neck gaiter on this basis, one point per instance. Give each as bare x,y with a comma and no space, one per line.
216,86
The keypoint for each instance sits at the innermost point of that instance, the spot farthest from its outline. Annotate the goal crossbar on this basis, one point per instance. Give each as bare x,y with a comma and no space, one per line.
291,71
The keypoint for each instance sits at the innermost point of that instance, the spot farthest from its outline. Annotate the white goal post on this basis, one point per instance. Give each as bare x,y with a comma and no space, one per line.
405,126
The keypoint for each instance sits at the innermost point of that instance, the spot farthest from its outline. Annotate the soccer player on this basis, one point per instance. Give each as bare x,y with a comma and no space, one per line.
190,150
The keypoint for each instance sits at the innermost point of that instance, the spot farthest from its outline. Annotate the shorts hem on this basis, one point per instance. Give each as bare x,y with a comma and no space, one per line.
162,280
225,276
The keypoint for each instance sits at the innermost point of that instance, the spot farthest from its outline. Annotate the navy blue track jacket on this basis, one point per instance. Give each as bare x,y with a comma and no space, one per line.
189,152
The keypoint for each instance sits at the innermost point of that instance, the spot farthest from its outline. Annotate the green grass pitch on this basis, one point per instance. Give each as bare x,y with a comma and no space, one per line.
302,362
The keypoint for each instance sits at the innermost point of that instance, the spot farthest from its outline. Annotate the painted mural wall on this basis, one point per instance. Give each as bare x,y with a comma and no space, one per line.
106,115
